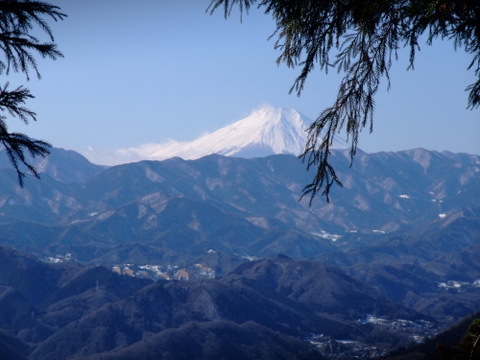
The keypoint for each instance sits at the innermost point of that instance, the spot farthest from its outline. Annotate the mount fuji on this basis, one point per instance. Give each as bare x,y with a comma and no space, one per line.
266,131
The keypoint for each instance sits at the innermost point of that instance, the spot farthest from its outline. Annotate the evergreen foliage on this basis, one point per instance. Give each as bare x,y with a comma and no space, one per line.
360,39
471,340
18,18
467,348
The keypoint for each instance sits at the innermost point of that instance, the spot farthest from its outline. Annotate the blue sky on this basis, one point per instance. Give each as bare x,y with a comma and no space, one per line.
145,71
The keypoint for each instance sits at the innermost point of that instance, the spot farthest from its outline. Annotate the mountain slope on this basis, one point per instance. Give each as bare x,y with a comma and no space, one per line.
216,340
92,313
63,165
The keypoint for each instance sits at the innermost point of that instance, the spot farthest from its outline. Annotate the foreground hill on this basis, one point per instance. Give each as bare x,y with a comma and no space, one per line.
268,308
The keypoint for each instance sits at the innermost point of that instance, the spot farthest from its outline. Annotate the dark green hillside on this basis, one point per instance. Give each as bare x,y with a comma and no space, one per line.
323,289
216,340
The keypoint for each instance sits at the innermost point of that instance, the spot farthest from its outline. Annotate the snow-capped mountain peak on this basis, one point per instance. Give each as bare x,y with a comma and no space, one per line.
267,130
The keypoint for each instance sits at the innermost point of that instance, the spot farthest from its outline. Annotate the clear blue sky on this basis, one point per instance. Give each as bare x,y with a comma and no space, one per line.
143,71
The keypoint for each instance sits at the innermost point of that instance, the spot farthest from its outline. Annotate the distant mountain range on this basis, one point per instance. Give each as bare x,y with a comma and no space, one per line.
382,193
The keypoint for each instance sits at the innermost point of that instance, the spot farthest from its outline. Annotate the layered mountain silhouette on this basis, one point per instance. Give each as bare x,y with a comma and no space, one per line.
404,222
398,244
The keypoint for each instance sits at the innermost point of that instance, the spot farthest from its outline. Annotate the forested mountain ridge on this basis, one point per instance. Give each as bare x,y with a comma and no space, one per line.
255,204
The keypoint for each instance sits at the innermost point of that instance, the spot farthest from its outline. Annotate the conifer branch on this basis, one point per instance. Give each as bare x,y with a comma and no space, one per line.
362,38
17,19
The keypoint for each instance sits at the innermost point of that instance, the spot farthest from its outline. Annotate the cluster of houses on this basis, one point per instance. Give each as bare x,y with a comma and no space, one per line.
154,272
165,272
